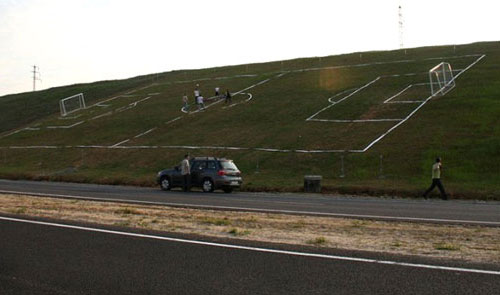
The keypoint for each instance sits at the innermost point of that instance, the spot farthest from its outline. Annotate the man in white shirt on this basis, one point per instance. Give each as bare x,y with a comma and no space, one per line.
436,180
185,101
186,173
201,104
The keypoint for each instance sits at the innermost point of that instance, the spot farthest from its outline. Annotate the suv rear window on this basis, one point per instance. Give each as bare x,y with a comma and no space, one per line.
228,165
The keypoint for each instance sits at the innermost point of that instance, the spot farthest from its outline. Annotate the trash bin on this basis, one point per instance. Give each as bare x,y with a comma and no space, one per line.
312,183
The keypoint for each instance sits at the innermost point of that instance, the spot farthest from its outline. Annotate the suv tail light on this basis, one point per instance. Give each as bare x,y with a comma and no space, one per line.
221,172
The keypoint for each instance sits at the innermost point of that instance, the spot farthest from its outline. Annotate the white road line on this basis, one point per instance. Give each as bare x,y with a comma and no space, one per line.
255,249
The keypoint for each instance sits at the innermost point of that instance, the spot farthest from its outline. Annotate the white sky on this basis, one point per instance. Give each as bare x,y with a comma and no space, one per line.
74,41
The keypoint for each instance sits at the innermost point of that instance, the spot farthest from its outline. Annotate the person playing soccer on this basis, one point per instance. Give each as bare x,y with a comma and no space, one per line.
436,180
228,97
185,101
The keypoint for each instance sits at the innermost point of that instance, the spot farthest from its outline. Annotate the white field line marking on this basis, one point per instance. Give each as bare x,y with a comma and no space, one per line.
470,66
70,117
357,121
250,96
389,100
280,150
330,100
173,120
101,115
254,249
65,127
415,110
131,105
220,100
145,132
120,143
281,73
344,98
102,105
156,93
293,212
103,101
34,147
398,94
13,132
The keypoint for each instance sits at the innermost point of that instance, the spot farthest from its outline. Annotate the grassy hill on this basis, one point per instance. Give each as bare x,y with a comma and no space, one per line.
363,121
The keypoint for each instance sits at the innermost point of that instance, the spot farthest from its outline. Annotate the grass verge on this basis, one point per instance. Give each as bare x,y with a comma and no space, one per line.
464,243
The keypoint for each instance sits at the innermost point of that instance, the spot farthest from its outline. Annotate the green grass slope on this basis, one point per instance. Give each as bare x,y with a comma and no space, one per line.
287,119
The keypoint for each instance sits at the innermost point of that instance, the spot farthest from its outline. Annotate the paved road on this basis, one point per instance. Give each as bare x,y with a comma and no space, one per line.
47,259
465,212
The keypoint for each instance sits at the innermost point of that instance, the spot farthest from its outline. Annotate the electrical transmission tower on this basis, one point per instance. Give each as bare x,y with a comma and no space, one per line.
36,76
401,28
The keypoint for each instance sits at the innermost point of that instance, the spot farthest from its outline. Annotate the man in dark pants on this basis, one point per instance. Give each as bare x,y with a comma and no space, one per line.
186,173
436,180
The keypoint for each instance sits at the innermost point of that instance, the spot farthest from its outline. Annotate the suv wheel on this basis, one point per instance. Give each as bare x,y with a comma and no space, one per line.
165,183
207,185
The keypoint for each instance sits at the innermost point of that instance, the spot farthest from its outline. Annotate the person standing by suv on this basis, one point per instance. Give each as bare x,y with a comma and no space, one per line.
186,173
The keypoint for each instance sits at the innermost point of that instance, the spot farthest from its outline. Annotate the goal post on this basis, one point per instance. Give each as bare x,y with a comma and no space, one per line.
441,79
72,104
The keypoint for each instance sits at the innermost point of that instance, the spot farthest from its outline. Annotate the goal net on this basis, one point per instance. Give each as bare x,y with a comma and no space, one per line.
72,104
441,79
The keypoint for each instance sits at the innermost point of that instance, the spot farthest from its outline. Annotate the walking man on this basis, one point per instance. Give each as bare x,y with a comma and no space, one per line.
436,180
216,92
228,97
186,173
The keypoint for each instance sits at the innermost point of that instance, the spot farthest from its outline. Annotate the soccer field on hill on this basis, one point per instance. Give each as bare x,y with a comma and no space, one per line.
372,120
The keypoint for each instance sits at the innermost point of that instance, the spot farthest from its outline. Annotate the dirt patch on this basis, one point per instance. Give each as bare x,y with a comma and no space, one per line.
466,243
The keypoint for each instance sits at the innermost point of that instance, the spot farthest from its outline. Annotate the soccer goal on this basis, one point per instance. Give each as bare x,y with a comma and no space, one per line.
441,79
72,104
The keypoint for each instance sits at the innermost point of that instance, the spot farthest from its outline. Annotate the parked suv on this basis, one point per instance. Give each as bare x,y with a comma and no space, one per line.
209,173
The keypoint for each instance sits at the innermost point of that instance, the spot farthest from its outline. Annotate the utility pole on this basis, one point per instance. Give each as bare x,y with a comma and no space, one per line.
36,76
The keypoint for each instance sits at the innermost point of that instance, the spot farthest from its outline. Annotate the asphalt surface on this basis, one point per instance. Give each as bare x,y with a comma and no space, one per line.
433,210
45,259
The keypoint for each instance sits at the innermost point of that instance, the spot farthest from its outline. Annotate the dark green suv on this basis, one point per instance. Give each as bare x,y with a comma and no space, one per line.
209,173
